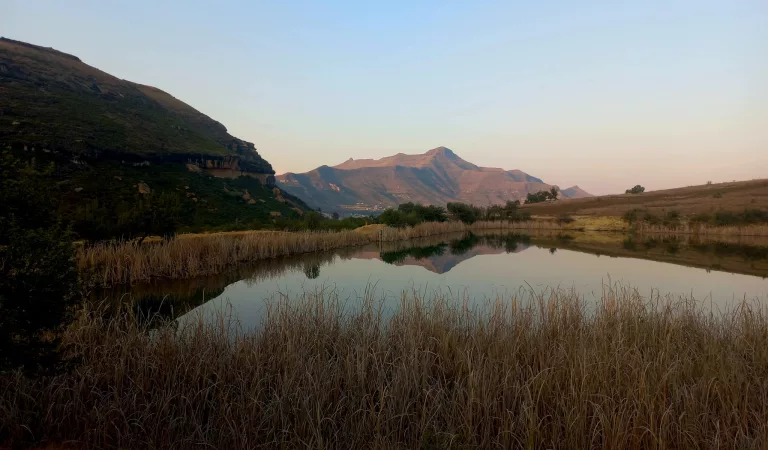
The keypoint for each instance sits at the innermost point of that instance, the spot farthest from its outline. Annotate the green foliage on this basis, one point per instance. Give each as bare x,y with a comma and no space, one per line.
100,199
418,253
312,220
632,216
635,190
542,196
61,104
509,242
304,224
462,246
312,271
393,218
38,276
463,212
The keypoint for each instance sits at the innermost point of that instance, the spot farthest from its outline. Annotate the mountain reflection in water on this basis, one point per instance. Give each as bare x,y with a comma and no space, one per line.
443,254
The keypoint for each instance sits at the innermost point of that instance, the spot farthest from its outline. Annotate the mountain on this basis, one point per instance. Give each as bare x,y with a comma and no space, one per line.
97,127
576,192
436,177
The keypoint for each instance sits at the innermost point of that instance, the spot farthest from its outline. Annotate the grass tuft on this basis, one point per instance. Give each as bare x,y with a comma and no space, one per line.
545,371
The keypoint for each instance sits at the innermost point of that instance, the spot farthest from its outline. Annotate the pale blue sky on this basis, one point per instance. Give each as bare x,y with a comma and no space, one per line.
603,94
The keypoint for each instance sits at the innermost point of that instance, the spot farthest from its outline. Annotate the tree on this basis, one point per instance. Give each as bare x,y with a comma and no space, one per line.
312,220
151,214
635,190
335,215
393,218
463,212
542,196
553,192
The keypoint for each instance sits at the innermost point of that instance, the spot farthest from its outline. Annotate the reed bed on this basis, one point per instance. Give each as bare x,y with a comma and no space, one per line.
121,262
702,229
544,371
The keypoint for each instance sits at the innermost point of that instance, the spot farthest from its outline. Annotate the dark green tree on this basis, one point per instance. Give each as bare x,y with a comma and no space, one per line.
312,220
635,190
463,212
393,218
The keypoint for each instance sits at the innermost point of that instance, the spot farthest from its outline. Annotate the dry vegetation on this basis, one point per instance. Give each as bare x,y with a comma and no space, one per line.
113,263
548,371
689,201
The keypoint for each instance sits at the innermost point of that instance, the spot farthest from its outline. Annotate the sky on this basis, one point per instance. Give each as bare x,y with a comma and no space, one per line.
603,94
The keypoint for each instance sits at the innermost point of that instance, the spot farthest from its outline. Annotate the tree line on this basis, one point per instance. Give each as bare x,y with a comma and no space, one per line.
411,214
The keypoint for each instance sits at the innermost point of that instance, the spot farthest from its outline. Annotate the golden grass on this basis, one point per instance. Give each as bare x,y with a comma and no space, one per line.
186,257
703,230
546,371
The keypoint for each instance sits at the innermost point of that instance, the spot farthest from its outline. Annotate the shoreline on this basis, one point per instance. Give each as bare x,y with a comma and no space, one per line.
115,263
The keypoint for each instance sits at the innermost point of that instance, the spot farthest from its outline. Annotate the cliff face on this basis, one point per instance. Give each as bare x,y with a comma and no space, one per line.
54,101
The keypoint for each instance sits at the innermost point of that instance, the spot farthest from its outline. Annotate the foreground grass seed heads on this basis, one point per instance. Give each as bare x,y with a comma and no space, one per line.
547,371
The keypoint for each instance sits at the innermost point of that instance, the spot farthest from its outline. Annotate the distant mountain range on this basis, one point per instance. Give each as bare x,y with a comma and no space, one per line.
436,177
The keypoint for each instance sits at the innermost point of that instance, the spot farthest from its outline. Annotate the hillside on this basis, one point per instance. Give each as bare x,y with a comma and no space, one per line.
109,137
436,177
708,198
53,100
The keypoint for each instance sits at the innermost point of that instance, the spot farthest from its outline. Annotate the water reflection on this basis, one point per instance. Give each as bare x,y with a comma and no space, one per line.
485,264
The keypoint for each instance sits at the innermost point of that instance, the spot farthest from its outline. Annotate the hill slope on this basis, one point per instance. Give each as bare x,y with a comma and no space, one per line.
107,135
688,201
436,177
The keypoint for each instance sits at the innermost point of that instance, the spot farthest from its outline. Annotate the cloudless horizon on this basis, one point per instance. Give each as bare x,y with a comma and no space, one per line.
600,94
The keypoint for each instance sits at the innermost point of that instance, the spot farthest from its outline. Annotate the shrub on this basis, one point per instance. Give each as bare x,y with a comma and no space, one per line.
542,196
635,190
725,218
701,218
565,219
393,218
38,276
463,212
632,215
651,219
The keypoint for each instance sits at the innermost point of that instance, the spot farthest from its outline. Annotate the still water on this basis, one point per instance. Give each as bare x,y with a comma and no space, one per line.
478,267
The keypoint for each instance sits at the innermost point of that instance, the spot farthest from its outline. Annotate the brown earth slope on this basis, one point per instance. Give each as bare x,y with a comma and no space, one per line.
436,177
688,201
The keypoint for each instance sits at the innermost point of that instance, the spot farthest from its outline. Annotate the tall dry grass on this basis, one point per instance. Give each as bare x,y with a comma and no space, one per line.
112,263
548,372
703,229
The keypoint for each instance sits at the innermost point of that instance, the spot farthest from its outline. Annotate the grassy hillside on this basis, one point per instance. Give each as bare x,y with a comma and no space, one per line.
53,100
688,201
124,154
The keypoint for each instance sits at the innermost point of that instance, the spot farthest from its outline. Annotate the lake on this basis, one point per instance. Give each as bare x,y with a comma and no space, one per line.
475,267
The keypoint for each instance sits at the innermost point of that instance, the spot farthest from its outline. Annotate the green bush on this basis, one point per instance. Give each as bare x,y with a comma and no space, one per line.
38,276
463,212
632,216
635,190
